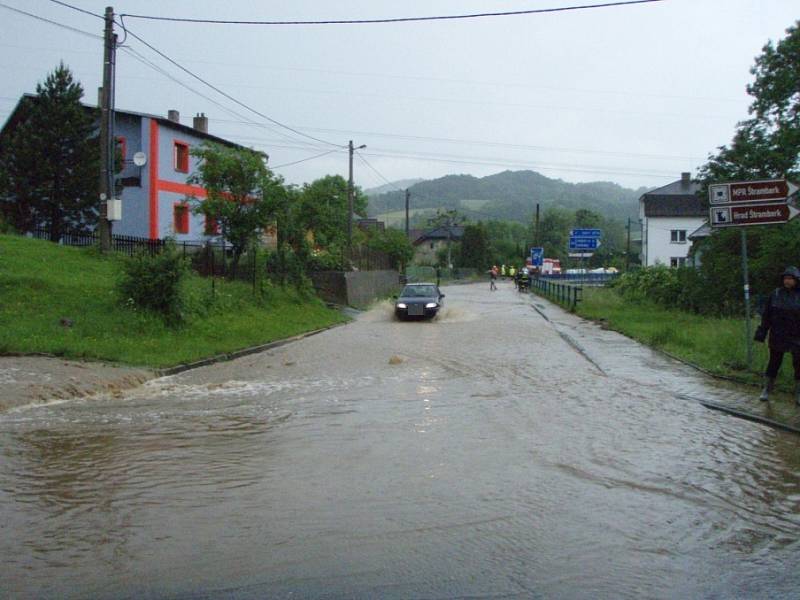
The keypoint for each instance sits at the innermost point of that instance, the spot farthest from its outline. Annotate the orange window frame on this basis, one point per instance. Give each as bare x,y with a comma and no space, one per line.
181,156
122,144
212,226
180,217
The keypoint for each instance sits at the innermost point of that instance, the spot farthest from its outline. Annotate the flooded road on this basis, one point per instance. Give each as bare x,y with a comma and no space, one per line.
478,455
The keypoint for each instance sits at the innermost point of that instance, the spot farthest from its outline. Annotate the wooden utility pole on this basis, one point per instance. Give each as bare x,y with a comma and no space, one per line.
408,197
350,194
107,145
628,247
536,228
350,201
745,275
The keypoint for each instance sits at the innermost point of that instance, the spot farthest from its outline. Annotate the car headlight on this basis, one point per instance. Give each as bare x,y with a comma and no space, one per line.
431,305
401,305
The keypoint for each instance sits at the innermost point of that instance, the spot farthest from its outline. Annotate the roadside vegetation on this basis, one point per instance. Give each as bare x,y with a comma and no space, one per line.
715,344
68,302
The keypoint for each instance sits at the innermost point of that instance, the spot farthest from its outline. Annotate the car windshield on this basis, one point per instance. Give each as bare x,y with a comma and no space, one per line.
419,291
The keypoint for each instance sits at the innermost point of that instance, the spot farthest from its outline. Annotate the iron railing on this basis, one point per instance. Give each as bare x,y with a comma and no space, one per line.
562,293
587,278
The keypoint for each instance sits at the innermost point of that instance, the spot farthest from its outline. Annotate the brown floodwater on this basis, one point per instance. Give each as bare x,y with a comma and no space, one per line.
477,455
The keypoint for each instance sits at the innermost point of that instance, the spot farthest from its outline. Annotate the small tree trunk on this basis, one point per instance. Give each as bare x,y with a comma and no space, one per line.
55,224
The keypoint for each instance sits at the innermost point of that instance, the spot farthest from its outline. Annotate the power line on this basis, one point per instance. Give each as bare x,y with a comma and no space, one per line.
378,173
133,53
523,164
223,93
56,23
481,160
395,19
77,8
486,143
289,164
197,77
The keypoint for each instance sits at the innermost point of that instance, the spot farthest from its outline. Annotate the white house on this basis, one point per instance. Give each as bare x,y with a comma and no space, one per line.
668,216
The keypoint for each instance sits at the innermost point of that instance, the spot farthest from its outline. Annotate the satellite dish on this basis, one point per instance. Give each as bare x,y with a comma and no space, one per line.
140,159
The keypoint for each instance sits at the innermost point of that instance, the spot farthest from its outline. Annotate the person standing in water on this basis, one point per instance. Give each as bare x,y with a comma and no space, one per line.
781,320
493,278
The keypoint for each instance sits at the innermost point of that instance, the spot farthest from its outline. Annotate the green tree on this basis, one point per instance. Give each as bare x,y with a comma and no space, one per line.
322,209
476,251
394,244
554,227
50,163
767,145
447,220
242,194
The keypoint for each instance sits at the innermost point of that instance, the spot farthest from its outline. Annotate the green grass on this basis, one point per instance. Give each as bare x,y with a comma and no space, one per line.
42,283
715,344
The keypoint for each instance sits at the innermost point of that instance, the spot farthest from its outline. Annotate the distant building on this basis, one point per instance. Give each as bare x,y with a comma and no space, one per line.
668,216
371,224
154,195
427,245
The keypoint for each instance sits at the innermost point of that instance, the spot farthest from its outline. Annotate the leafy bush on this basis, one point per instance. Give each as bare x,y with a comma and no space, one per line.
685,288
325,261
155,283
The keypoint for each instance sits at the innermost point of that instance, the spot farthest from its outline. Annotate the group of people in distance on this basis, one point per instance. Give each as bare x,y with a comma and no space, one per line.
521,277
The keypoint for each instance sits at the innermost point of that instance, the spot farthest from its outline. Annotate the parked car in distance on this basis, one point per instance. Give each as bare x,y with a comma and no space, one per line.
418,300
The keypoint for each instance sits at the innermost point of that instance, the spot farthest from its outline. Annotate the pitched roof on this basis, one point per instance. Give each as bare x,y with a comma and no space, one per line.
18,112
676,199
701,232
674,206
441,233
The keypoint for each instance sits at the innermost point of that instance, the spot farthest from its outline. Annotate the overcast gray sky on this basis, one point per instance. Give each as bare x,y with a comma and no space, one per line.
633,94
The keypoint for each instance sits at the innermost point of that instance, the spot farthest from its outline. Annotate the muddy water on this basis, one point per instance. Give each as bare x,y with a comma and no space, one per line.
478,455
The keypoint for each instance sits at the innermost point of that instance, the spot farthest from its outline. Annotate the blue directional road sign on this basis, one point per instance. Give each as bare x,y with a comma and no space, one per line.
537,257
583,243
586,233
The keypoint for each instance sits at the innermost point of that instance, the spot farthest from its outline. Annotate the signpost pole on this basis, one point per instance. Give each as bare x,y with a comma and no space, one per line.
746,277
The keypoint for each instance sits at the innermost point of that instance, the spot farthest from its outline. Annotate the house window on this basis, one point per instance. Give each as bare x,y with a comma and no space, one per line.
212,226
677,261
181,157
122,147
180,214
678,236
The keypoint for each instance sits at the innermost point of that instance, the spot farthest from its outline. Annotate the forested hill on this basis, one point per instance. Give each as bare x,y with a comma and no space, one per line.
510,195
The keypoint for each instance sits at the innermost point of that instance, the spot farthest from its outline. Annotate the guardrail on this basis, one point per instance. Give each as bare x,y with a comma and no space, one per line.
562,293
588,278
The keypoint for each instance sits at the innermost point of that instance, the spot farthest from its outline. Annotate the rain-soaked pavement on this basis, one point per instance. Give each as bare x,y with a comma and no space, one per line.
478,455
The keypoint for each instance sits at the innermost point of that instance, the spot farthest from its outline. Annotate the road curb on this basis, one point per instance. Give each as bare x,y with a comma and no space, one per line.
228,356
567,338
742,414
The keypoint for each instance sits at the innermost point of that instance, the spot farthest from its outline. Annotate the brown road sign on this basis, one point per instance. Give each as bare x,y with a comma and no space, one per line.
739,215
769,190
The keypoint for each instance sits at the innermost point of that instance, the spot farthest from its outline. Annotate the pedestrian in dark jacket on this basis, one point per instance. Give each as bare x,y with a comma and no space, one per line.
781,319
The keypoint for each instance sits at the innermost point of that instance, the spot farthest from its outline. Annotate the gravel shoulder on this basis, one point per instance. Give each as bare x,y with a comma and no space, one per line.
38,379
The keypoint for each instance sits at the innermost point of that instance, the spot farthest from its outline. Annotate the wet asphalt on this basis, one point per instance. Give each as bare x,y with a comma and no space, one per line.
496,451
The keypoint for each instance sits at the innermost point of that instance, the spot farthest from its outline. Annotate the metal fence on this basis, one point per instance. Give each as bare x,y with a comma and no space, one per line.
126,244
365,259
587,278
563,293
210,258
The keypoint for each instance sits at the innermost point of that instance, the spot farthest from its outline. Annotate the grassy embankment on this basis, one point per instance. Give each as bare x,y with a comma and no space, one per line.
714,344
42,283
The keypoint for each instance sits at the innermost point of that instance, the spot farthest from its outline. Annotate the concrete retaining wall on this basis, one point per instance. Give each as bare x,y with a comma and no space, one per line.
355,288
